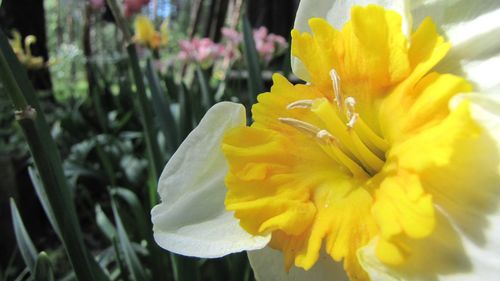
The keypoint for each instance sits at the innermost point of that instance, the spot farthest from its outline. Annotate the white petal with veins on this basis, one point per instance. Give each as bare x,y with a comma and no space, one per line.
192,220
472,28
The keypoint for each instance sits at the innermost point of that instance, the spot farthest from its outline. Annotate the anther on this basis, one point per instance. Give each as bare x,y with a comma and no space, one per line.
300,104
350,104
352,116
352,120
324,135
336,88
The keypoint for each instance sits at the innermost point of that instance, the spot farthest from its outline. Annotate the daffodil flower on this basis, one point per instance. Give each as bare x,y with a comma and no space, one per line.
145,33
385,165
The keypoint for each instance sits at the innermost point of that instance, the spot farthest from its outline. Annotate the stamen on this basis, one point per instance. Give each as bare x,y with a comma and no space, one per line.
323,135
301,125
374,141
350,103
300,104
336,88
354,167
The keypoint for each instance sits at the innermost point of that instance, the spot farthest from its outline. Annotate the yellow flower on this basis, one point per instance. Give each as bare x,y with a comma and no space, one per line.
24,55
145,33
379,168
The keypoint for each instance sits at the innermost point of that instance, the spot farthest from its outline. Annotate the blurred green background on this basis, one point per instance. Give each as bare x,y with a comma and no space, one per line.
78,178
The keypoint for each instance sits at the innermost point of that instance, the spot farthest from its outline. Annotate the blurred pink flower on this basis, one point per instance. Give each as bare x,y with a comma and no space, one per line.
260,34
280,41
203,51
133,6
265,49
268,45
97,4
232,39
232,35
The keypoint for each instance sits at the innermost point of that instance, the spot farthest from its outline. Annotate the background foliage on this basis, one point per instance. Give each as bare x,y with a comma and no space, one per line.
81,150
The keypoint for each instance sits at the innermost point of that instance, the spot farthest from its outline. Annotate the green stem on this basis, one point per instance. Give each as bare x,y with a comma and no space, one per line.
255,82
207,98
10,84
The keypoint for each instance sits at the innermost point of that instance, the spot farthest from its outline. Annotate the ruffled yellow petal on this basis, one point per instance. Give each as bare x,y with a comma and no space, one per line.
369,53
402,206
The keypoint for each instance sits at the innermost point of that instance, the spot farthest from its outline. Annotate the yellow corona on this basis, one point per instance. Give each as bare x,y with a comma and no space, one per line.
354,154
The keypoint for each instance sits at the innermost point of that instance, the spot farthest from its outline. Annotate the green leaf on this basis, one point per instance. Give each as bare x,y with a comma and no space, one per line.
119,261
239,267
157,160
44,200
185,268
22,275
43,268
134,205
255,82
49,165
161,106
172,88
157,256
106,163
133,263
207,99
185,119
287,62
104,223
26,246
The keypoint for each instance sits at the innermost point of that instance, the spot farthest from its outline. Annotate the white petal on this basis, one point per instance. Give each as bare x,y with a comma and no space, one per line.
485,110
268,265
472,28
191,220
337,13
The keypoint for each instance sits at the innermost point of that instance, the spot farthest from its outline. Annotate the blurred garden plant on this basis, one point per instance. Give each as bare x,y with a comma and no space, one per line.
363,173
24,54
104,137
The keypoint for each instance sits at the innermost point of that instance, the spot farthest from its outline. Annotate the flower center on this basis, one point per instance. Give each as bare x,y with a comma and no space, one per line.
344,160
347,139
